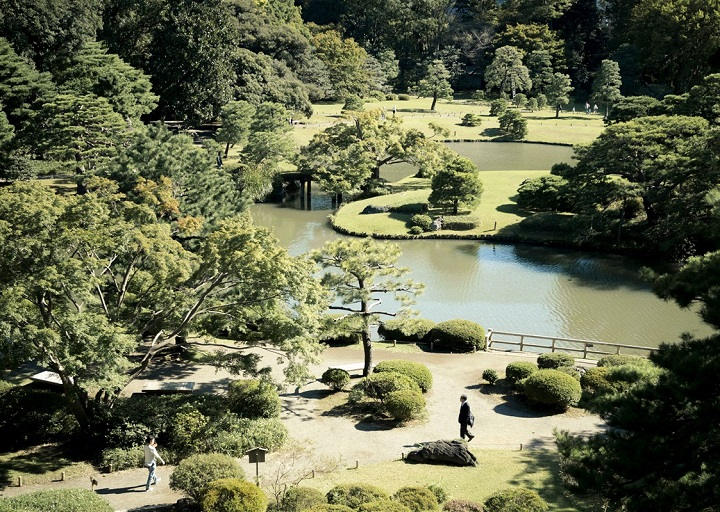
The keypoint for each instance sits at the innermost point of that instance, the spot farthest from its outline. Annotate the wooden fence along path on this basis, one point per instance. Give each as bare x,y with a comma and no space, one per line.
510,341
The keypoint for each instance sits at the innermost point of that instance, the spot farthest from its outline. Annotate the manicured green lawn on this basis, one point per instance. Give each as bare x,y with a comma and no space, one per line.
542,126
496,469
498,213
39,465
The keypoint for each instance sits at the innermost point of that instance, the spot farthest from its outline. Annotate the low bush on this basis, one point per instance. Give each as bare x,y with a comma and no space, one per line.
553,388
353,102
517,371
418,372
498,107
594,382
622,359
439,491
60,500
457,336
471,120
478,95
354,495
380,385
490,376
515,500
417,499
462,506
416,230
298,499
383,506
545,193
253,398
193,475
405,329
422,221
391,97
403,97
570,370
117,459
234,436
5,386
335,378
188,429
405,405
329,508
460,222
555,360
410,208
234,495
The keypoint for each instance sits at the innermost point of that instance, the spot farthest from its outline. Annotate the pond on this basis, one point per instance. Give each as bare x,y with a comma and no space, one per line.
517,288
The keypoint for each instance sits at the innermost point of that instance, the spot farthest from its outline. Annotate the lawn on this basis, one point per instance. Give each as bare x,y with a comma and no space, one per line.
496,469
498,212
571,128
39,465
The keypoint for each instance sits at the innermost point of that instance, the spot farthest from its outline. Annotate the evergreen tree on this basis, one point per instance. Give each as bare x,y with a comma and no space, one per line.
606,86
507,73
557,91
456,184
235,117
436,83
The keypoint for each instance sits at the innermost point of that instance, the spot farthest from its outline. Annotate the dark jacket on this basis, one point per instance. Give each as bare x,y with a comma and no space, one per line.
465,416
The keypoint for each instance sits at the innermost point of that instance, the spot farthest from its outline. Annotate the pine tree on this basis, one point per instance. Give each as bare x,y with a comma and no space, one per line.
436,83
606,86
507,73
558,91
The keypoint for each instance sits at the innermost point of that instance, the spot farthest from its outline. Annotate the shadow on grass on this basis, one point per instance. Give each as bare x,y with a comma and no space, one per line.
36,461
514,209
493,132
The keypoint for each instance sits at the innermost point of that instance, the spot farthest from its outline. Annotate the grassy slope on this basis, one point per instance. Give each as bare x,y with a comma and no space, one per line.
497,469
496,205
542,125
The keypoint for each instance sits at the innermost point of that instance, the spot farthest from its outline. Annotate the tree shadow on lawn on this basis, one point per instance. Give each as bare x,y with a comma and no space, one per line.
35,461
513,209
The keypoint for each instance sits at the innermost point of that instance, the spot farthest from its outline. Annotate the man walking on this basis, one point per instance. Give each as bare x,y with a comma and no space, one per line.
151,458
466,418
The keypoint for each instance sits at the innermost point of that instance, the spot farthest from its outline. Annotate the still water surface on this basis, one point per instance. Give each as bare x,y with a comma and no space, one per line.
516,288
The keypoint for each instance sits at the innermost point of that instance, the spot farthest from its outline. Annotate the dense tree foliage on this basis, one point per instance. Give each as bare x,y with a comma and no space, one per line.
456,184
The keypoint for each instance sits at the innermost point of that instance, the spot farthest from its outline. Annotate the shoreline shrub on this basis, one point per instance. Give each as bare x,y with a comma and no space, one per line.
517,371
555,360
417,499
416,230
335,378
457,336
622,359
552,388
422,221
418,372
193,475
405,329
460,222
354,495
234,495
254,398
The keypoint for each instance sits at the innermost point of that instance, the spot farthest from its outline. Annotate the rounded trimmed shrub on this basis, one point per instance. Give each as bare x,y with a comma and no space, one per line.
297,499
417,499
439,491
460,222
64,500
380,385
555,360
416,230
553,388
471,120
416,371
421,220
329,508
403,97
405,404
122,458
490,376
621,359
193,475
570,370
515,500
383,506
519,370
253,398
335,378
354,495
235,436
405,329
462,506
457,336
594,382
234,495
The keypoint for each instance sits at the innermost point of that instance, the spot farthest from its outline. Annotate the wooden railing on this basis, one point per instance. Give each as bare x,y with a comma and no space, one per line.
538,343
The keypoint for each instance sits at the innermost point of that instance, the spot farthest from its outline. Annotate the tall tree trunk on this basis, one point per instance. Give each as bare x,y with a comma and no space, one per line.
376,171
76,402
455,207
557,111
434,100
367,344
227,149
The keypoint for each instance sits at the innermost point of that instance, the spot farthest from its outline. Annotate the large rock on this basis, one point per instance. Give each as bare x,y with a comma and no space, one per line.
448,453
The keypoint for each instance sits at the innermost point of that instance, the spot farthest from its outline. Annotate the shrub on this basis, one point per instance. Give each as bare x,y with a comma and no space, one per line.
193,475
478,95
625,376
541,100
519,100
513,124
380,385
555,360
417,499
460,222
353,102
570,370
234,436
439,491
621,359
188,427
517,371
418,372
422,221
329,508
403,97
594,382
5,386
335,378
410,208
391,97
515,500
498,107
354,495
416,230
553,388
471,120
532,104
297,499
490,376
61,500
405,329
122,458
341,331
234,495
457,336
252,398
405,404
383,506
544,193
462,506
